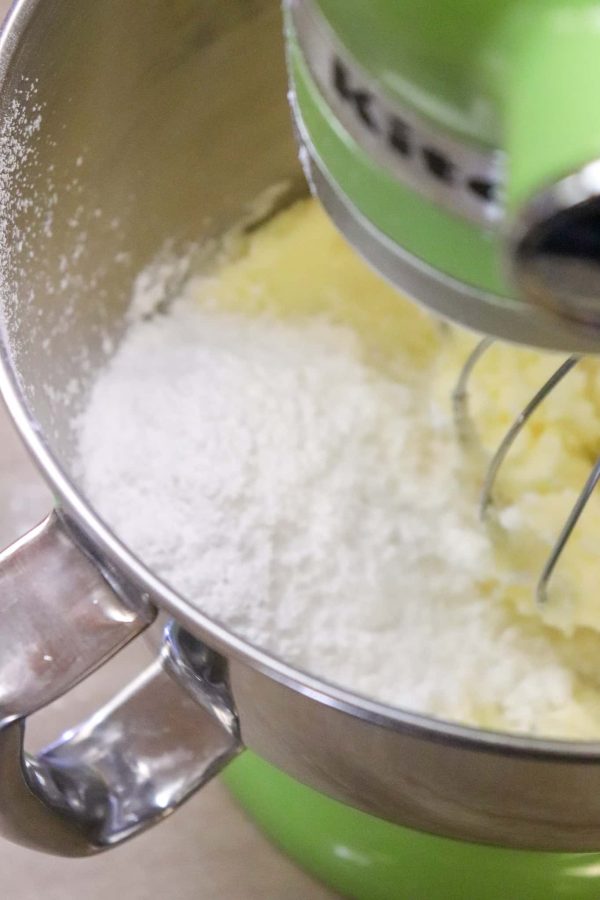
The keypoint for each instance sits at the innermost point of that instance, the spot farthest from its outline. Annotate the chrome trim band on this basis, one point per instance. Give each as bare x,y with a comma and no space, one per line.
513,320
555,248
462,177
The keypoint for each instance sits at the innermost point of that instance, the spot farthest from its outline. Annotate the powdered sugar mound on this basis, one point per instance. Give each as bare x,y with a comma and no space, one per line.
300,496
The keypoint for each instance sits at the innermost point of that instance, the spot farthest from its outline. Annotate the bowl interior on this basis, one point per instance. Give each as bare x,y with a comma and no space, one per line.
129,131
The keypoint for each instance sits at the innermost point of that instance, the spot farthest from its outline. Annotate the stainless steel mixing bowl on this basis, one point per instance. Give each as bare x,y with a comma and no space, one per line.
124,123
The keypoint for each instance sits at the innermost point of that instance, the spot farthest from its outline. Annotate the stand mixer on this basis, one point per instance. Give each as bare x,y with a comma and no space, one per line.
170,120
454,146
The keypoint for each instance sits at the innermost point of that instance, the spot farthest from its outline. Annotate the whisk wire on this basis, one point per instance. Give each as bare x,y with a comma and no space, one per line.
466,430
516,428
460,394
571,522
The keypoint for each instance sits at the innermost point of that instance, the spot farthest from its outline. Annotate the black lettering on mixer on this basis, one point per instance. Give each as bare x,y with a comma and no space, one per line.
360,98
399,136
483,188
438,164
422,157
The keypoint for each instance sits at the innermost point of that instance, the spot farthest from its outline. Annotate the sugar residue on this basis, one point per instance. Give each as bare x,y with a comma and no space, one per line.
310,500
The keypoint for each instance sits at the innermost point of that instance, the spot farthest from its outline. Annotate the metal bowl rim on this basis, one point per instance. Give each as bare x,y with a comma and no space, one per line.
201,625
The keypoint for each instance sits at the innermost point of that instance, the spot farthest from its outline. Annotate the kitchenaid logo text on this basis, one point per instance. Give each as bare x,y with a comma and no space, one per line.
403,140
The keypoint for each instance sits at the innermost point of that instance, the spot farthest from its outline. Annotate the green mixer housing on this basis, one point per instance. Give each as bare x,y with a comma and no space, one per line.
456,143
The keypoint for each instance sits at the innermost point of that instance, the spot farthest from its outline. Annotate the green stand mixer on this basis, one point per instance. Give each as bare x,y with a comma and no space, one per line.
456,144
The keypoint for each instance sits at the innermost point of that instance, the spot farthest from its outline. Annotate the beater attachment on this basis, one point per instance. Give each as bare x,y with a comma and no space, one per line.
466,431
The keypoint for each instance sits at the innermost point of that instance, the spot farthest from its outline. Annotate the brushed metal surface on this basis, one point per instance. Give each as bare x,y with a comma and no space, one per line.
135,760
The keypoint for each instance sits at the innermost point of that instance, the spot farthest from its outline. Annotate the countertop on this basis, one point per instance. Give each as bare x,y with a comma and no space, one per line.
208,850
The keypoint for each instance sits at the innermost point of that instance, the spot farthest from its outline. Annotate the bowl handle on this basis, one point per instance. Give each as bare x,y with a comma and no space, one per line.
141,755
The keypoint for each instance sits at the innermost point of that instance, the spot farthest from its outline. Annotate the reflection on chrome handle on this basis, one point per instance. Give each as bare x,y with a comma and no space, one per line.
140,756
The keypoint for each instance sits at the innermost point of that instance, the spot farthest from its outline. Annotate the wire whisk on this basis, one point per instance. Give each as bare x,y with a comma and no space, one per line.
466,429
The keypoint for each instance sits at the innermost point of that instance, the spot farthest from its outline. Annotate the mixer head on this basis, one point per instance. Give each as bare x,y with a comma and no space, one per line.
457,145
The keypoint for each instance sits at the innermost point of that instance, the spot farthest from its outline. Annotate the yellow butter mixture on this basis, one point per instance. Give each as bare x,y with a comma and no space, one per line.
304,483
299,265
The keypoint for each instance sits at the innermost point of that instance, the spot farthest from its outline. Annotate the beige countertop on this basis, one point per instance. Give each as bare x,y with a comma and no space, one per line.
207,850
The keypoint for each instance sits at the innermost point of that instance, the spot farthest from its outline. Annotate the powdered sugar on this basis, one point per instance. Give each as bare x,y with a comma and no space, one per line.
315,506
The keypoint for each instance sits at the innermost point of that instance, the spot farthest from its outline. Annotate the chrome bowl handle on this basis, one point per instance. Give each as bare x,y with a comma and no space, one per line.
141,755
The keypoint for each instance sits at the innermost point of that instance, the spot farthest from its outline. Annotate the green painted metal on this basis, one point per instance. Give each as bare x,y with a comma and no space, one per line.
552,107
521,76
366,858
446,242
440,57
